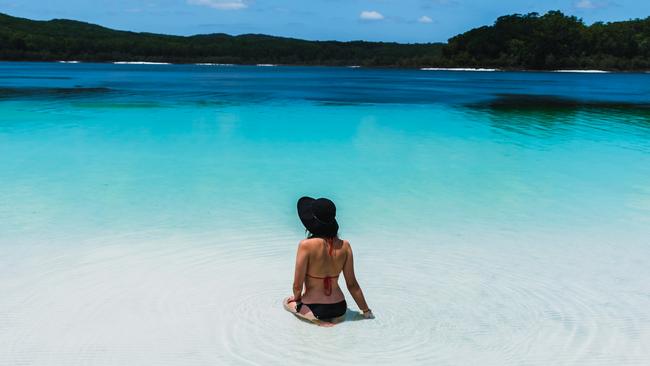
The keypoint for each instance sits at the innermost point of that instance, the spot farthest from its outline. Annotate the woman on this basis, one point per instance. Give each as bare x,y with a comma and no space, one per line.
320,259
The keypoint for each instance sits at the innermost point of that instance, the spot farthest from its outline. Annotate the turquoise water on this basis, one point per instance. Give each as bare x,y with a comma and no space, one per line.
147,214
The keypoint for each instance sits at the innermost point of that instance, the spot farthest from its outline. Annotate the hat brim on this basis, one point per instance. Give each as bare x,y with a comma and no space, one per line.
311,223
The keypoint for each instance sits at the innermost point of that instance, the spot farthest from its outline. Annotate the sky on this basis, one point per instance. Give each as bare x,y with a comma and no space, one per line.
406,21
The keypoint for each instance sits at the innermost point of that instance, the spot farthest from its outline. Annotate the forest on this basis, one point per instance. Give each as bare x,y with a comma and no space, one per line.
520,41
24,39
553,41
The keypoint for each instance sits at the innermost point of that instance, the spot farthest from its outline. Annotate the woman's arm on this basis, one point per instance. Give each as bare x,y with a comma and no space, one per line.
353,285
302,258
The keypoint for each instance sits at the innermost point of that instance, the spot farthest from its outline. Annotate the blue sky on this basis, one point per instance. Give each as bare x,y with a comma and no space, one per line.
377,20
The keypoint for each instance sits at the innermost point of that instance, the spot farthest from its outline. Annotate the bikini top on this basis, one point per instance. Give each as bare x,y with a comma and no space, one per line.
327,280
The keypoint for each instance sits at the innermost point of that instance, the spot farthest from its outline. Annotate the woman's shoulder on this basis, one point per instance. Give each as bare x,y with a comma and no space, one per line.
309,242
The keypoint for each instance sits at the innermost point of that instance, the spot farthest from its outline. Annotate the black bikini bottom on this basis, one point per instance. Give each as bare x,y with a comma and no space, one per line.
328,311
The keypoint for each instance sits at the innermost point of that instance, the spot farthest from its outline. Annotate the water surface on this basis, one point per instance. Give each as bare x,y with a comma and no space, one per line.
147,214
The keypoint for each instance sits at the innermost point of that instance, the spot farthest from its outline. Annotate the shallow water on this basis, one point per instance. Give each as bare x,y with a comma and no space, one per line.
147,214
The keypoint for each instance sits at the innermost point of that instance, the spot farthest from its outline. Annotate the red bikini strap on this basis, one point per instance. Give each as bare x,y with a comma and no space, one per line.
321,278
327,285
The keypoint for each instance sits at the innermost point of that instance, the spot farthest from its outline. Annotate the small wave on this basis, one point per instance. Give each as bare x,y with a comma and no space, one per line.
44,92
212,64
584,71
456,69
140,63
28,77
266,65
527,102
353,67
69,62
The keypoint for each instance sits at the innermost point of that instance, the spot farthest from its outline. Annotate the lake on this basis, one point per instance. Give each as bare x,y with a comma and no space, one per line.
147,214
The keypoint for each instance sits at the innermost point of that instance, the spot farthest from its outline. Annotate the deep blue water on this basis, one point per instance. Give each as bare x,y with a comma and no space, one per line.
326,85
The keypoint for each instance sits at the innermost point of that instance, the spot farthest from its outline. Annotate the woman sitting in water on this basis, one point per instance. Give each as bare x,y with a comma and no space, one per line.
320,259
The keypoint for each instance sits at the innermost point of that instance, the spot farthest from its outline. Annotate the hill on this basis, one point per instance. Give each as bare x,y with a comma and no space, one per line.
24,39
553,41
530,41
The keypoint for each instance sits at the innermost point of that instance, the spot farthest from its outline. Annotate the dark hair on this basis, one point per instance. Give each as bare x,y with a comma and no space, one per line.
311,235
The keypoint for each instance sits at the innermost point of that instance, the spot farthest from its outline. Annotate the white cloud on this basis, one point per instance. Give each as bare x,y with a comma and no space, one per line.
220,4
425,19
371,15
585,4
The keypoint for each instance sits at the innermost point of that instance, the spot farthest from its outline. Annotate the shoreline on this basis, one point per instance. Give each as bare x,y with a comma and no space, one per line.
30,42
269,65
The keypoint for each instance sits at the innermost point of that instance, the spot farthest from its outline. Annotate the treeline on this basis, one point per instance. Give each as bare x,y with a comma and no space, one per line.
553,41
530,41
24,39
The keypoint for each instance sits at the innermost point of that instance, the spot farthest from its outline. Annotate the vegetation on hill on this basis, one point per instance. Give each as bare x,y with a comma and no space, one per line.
24,39
553,41
530,41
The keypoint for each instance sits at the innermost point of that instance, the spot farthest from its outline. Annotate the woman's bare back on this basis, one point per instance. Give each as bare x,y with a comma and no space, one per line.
324,261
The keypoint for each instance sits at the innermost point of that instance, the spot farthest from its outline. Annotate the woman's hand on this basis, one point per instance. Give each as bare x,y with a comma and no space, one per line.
292,299
367,314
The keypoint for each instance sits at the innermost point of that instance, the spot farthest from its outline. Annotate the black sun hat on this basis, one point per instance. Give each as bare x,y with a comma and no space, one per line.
318,216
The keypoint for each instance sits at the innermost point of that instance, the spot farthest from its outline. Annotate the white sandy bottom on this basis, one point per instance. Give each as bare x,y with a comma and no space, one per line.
584,71
140,63
457,69
200,300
